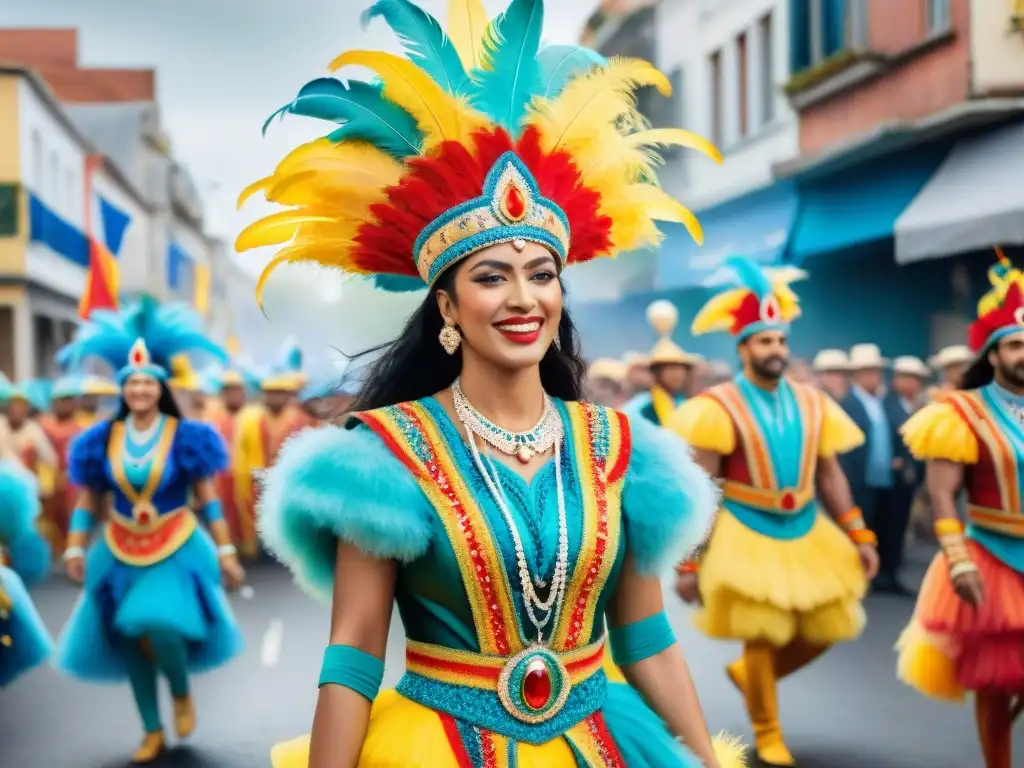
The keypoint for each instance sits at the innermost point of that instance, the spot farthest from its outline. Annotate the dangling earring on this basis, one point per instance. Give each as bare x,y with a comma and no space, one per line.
450,338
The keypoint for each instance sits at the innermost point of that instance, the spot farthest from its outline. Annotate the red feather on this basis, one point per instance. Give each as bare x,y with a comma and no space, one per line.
1001,317
747,313
434,185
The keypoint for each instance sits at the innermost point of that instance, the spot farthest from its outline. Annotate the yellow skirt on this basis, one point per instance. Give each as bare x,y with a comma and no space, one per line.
404,734
754,587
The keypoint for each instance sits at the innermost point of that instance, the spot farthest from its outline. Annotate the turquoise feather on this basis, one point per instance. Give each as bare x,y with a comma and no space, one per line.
364,114
398,283
749,275
511,77
561,63
424,40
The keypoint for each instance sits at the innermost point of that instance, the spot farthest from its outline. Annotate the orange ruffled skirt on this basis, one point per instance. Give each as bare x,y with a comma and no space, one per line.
951,647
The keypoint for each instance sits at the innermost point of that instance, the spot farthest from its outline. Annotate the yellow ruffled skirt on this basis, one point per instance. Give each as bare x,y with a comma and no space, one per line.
405,734
754,587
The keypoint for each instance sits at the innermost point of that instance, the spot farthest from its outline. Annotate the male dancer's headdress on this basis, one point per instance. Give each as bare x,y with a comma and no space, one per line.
143,337
756,300
1001,310
663,317
286,375
479,136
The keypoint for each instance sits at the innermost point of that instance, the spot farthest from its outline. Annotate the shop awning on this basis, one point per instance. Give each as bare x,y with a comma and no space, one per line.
974,200
756,225
858,206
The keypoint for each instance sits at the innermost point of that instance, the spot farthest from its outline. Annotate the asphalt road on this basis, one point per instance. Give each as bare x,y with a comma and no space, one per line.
845,711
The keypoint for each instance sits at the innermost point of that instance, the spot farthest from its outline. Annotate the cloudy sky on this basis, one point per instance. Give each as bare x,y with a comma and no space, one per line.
225,65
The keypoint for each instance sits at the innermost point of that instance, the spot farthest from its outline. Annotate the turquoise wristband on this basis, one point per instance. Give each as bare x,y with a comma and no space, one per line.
641,639
213,511
81,521
352,668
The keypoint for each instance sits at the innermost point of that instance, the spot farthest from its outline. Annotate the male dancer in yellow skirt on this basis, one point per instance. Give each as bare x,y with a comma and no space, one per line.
775,573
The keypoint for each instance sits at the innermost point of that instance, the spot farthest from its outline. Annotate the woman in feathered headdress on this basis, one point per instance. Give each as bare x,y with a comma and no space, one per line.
153,598
24,559
967,631
776,573
508,519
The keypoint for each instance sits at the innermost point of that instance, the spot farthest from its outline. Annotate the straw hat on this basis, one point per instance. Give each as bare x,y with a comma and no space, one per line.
608,368
908,365
865,356
663,318
634,359
954,355
830,360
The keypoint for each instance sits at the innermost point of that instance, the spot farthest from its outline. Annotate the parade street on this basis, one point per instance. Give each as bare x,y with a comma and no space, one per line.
846,711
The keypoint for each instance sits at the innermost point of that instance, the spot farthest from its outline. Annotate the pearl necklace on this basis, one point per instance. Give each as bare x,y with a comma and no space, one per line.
139,438
523,445
551,607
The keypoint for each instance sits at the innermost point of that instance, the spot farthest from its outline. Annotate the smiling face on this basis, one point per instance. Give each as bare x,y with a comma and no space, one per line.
141,393
507,303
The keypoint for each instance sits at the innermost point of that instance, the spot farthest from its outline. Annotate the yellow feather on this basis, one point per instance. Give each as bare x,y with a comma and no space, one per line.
252,189
467,23
674,137
716,315
275,229
655,204
327,253
441,116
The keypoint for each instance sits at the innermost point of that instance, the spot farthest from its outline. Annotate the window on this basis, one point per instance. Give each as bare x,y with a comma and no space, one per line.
938,16
36,180
766,70
715,85
857,25
816,11
743,81
818,31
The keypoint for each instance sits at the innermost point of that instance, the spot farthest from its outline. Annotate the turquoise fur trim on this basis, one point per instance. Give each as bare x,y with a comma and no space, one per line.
482,708
352,668
668,501
330,483
154,371
506,231
760,327
640,735
19,502
81,521
213,511
642,639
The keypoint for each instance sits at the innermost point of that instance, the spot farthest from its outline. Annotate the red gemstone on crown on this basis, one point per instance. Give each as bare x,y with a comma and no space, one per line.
769,312
515,203
143,517
138,358
788,501
537,685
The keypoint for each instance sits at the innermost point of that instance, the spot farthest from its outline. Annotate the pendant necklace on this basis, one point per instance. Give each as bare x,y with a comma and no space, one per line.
523,445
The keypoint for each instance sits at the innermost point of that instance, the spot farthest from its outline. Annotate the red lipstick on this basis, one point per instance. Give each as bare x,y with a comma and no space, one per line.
520,330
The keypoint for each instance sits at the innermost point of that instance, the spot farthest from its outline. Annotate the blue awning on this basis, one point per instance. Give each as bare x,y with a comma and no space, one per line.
757,225
859,206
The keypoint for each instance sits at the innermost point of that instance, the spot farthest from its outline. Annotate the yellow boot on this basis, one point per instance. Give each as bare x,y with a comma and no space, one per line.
763,705
787,660
184,717
150,749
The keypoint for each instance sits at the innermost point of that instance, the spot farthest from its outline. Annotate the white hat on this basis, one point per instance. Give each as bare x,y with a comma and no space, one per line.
831,360
863,356
947,356
908,365
607,368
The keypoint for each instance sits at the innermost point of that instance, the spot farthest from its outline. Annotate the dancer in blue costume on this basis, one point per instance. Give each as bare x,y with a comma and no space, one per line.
24,559
508,520
153,600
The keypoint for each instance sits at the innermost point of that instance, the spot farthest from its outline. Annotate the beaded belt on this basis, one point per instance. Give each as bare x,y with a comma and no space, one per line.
785,501
532,686
146,543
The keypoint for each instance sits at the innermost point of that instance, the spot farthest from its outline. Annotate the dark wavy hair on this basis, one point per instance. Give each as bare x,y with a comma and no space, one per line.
415,366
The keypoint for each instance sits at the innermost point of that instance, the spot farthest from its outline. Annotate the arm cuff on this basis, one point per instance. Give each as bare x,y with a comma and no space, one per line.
642,639
81,521
213,511
352,668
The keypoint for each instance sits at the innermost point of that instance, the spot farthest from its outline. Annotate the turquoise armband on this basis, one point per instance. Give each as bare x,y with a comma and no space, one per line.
352,668
213,511
641,639
81,521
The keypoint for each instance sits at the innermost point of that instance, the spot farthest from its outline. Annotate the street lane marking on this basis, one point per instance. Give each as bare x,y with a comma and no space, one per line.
270,651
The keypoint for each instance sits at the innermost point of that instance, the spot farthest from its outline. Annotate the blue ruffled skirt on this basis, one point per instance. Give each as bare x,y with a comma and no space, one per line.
180,595
29,642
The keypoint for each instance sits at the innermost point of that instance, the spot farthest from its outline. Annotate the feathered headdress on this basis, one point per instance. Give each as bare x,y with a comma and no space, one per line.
758,300
66,387
663,317
35,393
479,136
99,386
286,375
1001,310
144,337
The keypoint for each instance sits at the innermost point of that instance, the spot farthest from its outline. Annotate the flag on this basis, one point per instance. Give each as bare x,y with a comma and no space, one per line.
102,278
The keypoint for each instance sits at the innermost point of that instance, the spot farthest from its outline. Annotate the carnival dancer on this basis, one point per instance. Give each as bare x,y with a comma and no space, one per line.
153,600
24,559
96,391
29,442
776,573
261,430
60,427
505,548
671,369
967,632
